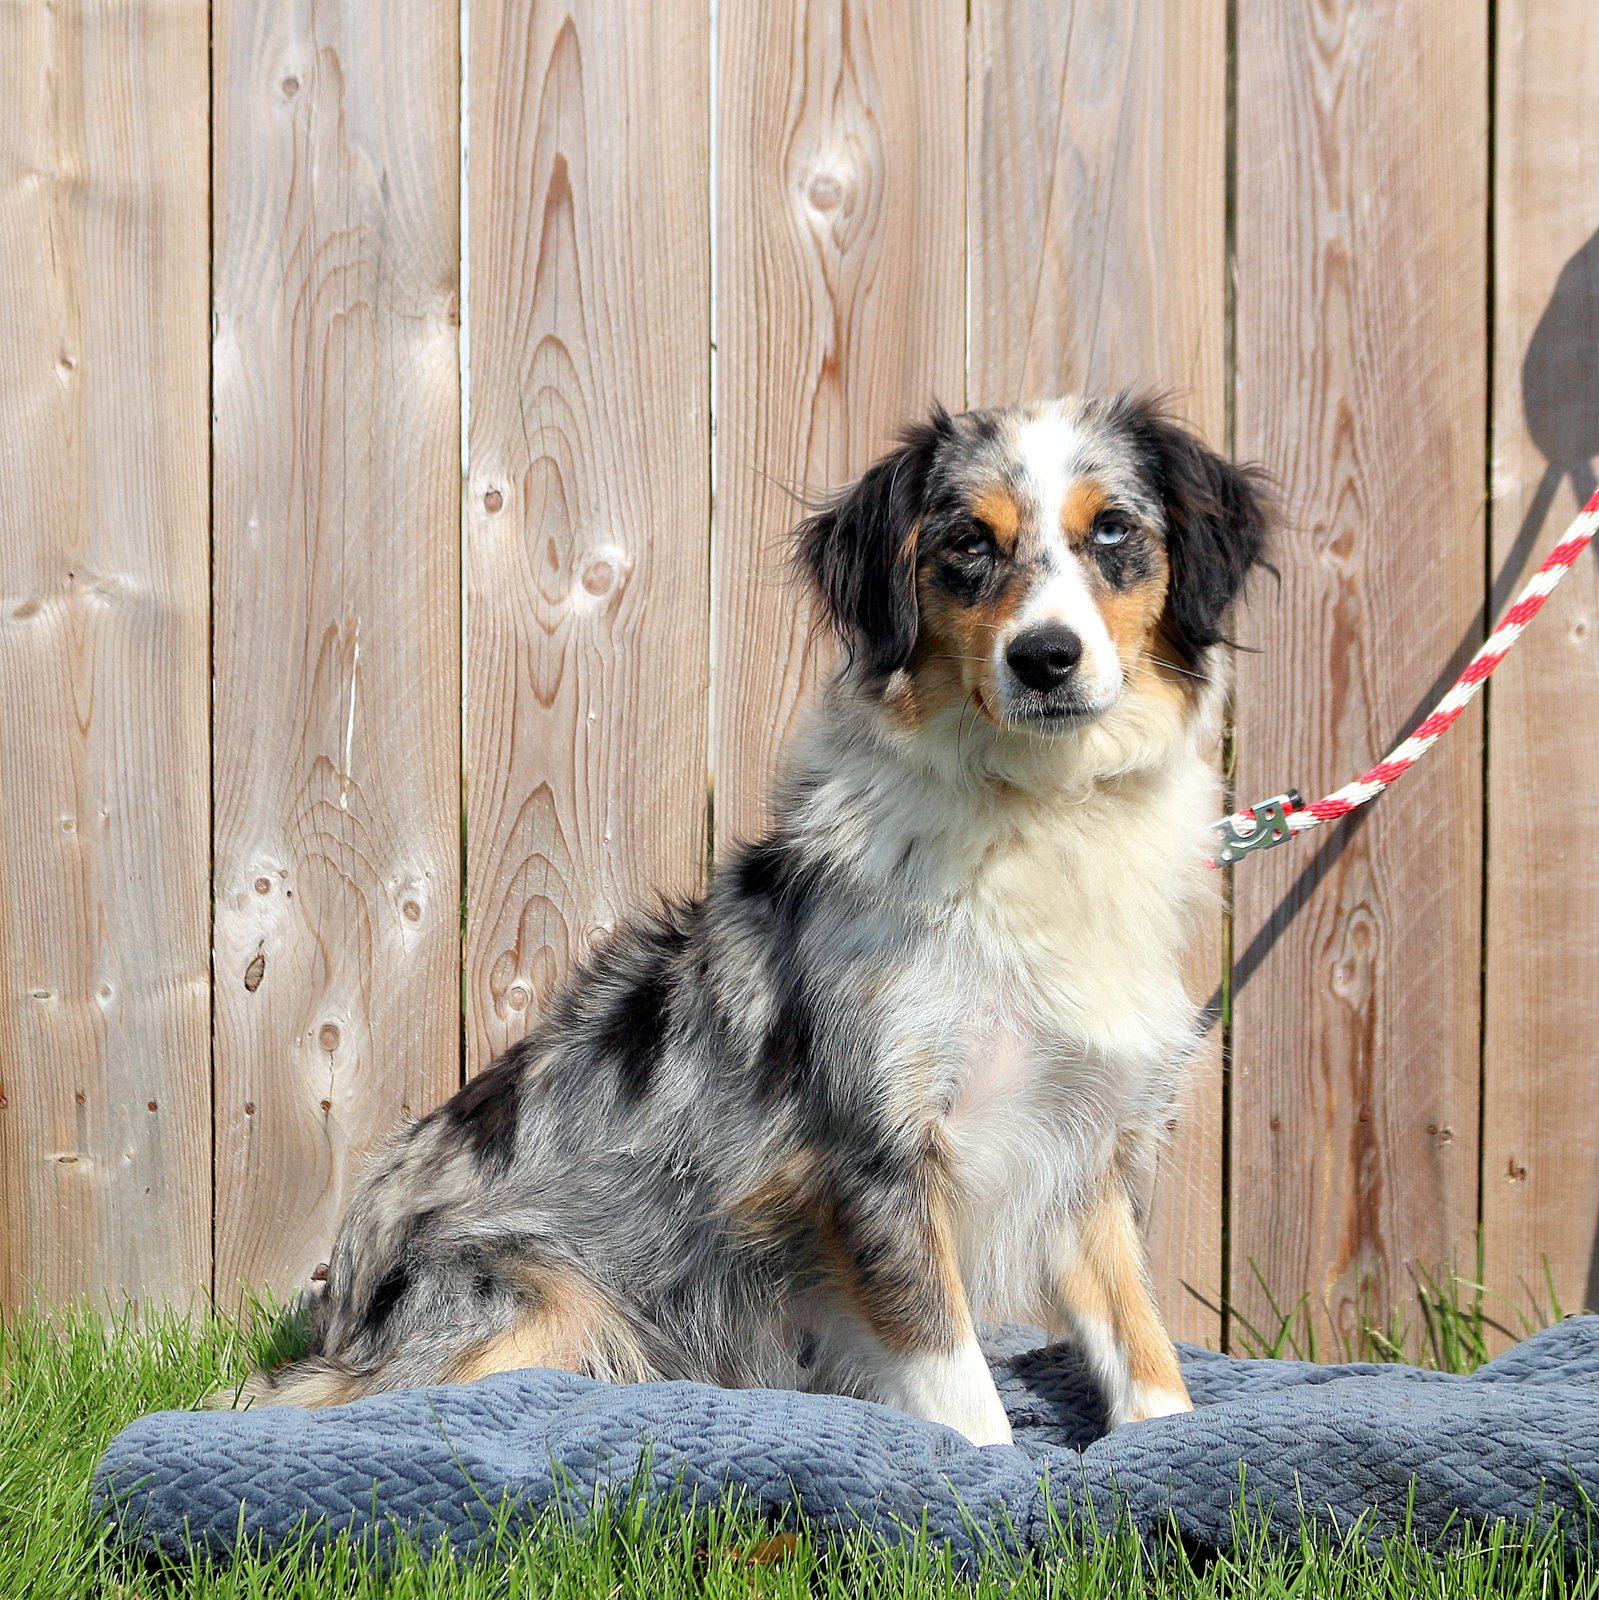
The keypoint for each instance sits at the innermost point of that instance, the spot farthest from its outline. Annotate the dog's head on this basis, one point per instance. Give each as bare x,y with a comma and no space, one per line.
1041,564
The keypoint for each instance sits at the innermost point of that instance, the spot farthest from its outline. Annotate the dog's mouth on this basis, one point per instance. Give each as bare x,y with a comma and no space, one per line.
1057,716
1056,719
1037,713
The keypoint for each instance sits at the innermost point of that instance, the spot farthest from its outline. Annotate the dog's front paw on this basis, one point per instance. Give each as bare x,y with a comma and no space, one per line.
978,1412
991,1427
1144,1404
953,1387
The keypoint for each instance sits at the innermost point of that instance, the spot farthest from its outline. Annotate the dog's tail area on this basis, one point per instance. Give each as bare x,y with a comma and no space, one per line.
311,1381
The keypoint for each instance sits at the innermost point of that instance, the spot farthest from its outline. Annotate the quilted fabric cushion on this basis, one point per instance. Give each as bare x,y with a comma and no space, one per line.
1518,1438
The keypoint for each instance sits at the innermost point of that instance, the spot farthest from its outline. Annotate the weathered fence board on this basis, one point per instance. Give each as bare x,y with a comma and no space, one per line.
1098,204
337,505
841,219
105,1105
588,505
1540,1158
1361,243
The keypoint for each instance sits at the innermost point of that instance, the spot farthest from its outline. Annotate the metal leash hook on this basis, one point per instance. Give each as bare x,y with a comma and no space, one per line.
1270,828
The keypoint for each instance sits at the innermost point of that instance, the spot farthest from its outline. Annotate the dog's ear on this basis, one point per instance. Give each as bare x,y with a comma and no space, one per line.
859,552
1217,519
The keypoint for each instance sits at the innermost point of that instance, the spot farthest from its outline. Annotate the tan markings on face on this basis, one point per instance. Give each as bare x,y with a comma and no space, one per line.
997,510
1133,617
1133,614
953,663
573,1327
1081,503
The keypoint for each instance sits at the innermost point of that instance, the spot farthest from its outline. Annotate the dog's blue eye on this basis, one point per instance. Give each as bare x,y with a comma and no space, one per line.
975,544
1111,531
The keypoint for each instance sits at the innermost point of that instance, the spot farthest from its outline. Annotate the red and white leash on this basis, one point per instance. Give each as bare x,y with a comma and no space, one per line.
1275,821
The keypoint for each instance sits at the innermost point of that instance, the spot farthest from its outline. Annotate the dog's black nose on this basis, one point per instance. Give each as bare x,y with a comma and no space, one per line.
1043,657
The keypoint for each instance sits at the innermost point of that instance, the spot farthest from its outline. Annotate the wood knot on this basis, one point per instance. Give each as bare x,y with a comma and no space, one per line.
254,973
492,501
319,1273
328,1038
599,577
824,192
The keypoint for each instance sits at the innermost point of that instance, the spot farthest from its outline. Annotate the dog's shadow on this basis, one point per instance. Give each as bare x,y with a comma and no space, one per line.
1047,1390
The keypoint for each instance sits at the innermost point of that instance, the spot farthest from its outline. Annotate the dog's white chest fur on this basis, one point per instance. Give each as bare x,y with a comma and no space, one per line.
1041,918
1068,1027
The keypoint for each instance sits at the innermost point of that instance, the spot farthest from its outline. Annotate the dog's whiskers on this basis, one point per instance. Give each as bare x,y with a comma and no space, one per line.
1170,666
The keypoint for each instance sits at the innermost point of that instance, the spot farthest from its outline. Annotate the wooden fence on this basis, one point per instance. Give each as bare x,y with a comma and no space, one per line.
324,753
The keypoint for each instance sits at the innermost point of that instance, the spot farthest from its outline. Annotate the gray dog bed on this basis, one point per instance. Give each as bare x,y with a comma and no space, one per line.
1519,1438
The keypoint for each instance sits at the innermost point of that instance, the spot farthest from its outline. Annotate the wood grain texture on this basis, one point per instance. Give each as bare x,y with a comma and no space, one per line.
1361,216
1098,213
588,502
1541,1073
337,459
840,315
105,1182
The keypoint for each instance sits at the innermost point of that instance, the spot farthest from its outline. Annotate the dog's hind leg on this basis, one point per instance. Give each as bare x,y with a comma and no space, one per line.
312,1381
1102,1295
569,1324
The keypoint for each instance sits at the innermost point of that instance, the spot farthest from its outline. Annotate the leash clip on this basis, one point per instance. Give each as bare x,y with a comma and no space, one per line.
1271,828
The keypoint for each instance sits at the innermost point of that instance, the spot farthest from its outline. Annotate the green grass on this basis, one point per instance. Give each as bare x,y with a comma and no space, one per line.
1450,1324
68,1382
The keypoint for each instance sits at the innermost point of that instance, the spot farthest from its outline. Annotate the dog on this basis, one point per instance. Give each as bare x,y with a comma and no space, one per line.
903,1066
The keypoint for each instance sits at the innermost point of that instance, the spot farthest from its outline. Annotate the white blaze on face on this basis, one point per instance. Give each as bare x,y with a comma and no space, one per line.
1051,451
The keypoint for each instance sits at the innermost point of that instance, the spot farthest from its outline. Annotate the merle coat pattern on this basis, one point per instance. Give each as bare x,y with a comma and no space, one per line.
898,1070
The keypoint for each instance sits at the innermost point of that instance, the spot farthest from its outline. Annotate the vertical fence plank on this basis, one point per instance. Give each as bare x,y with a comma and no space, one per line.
841,170
1541,1075
1098,212
1361,350
337,460
588,509
105,1165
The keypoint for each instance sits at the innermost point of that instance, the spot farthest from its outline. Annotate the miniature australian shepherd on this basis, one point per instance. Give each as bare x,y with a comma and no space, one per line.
903,1067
